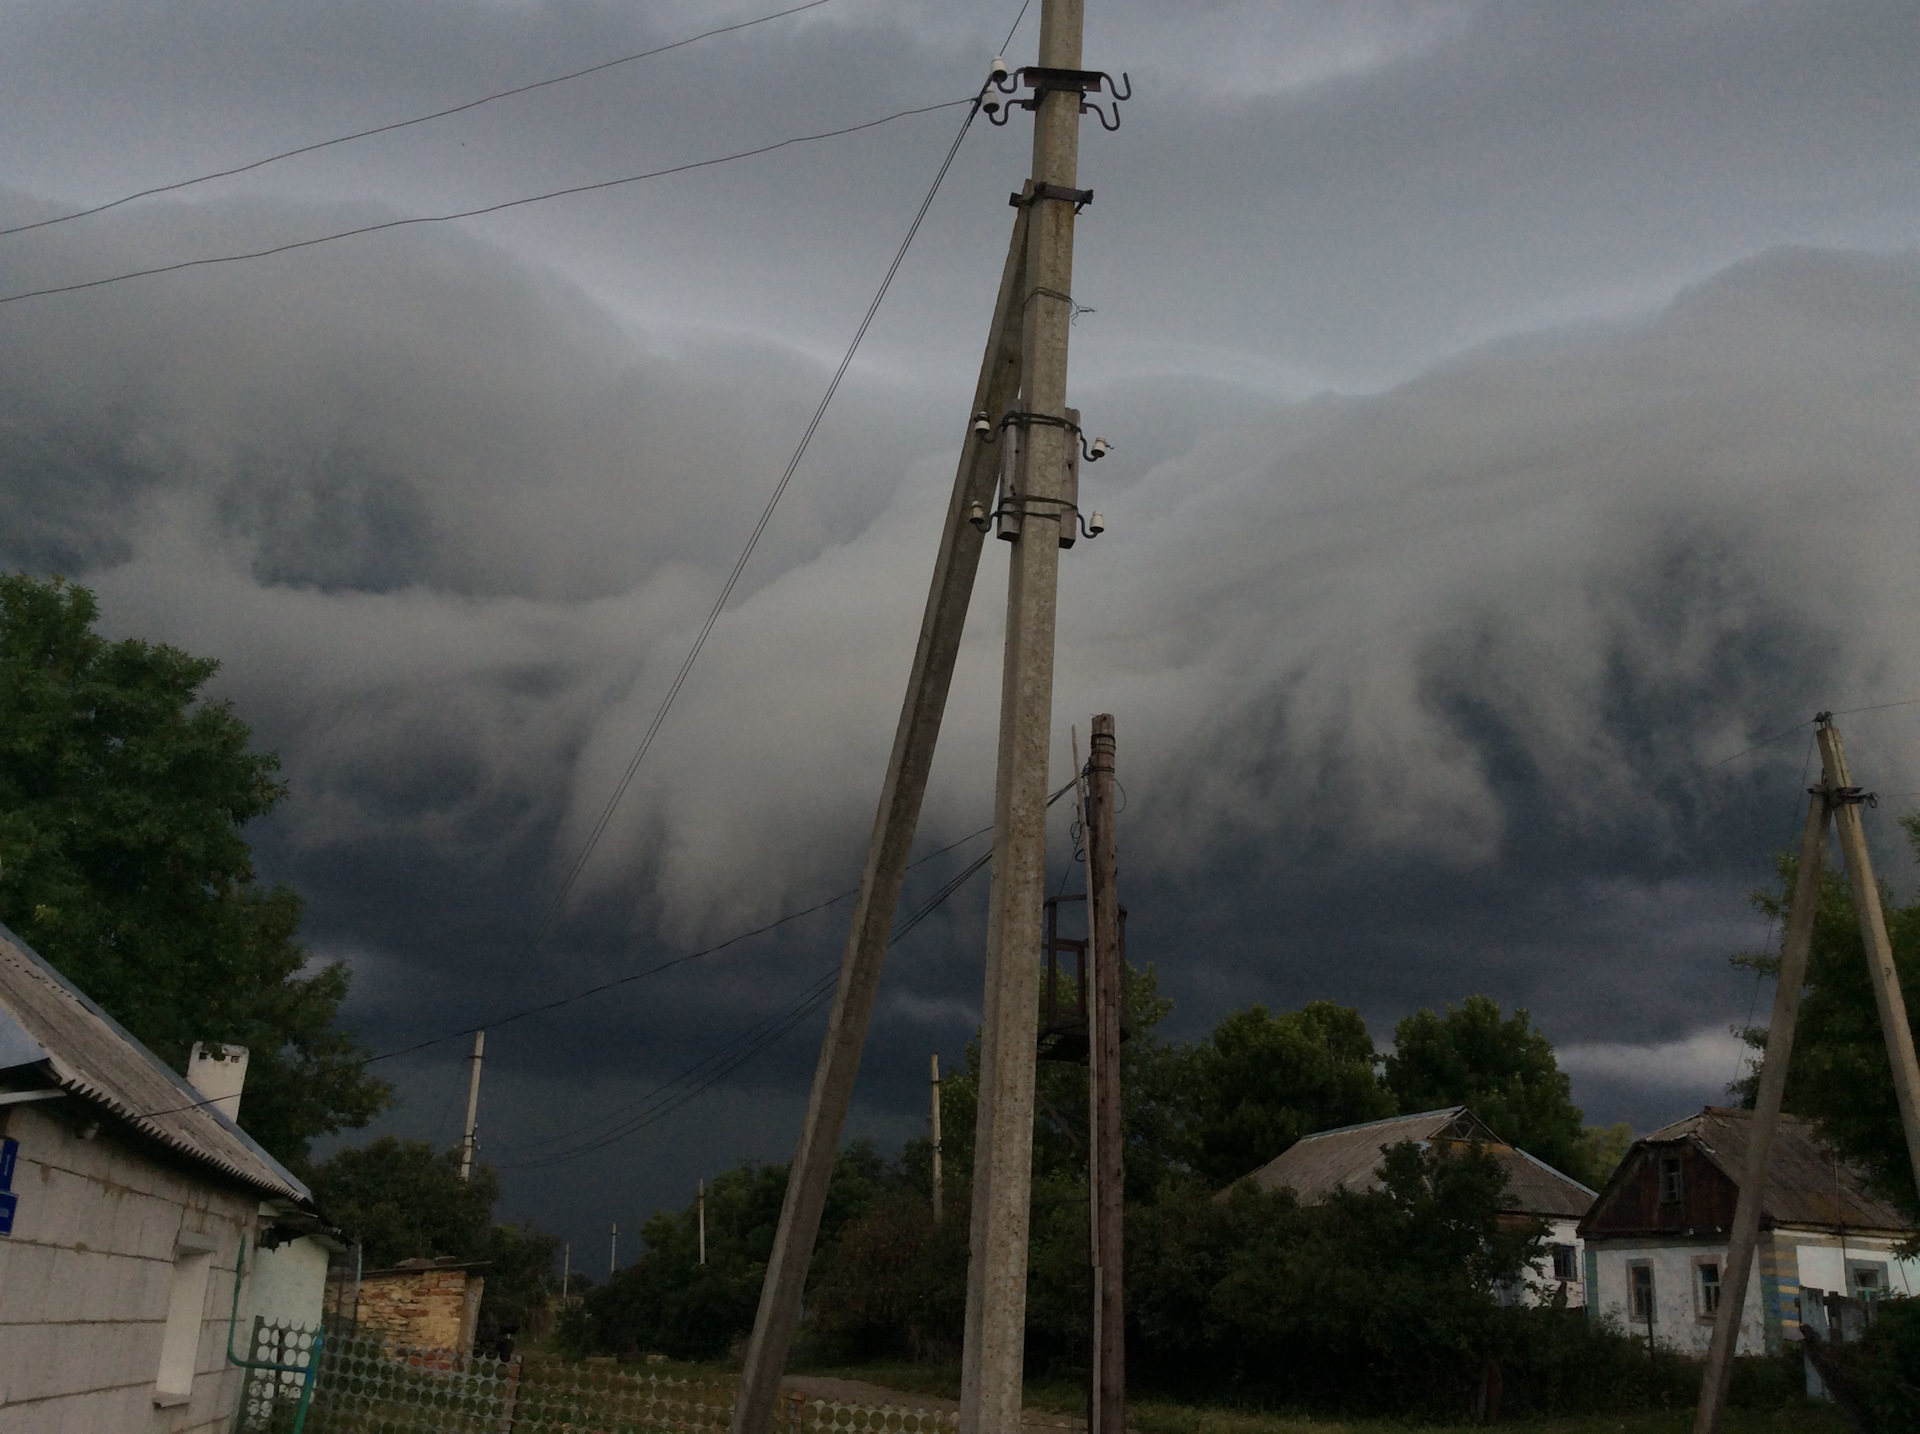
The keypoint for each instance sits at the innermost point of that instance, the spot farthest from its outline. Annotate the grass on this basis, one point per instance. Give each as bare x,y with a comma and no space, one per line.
1154,1416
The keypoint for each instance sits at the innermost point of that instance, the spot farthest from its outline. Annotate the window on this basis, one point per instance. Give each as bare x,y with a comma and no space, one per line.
186,1310
1866,1279
1640,1292
1706,1288
1669,1180
1563,1263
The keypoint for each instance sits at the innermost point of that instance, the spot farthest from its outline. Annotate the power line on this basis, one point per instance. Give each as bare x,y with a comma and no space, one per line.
404,124
485,208
753,538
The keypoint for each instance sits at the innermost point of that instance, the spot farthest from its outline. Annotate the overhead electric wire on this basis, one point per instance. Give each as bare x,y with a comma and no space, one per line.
504,204
628,1123
753,537
405,123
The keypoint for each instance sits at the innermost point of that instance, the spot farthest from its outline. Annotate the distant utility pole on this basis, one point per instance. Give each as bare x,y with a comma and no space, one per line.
613,1252
1106,1176
701,1199
933,1124
1026,346
566,1272
1836,803
473,1106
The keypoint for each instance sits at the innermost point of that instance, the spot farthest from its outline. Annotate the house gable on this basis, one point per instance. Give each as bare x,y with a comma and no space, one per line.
1639,1199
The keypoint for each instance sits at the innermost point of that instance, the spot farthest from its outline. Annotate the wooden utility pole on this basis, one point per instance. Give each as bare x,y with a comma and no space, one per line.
473,1106
933,1124
1898,1034
1745,1235
1837,801
955,566
993,1351
1106,982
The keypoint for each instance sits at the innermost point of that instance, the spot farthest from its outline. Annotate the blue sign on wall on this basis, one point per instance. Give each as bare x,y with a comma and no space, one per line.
9,1202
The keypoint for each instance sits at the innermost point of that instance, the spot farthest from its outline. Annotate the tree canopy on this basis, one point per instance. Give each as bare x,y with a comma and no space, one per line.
1501,1068
1264,1081
1840,1077
123,793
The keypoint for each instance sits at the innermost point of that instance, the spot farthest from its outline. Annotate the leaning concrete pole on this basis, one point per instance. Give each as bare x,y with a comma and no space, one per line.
1873,932
996,1320
954,568
1745,1235
473,1107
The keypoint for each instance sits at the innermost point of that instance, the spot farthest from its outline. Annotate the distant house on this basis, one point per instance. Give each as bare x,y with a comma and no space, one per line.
1656,1238
1349,1158
125,1196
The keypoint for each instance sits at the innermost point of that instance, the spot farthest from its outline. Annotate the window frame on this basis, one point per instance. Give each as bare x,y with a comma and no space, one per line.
186,1314
1636,1315
1567,1257
1674,1191
1705,1308
1882,1275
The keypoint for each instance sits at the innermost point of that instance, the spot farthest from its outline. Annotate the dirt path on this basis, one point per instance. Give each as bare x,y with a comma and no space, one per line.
855,1391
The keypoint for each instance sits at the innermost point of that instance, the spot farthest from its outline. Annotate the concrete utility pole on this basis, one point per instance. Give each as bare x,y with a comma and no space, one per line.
933,1124
992,1355
473,1106
702,1199
1836,800
566,1272
1106,980
1745,1235
613,1252
955,566
1873,932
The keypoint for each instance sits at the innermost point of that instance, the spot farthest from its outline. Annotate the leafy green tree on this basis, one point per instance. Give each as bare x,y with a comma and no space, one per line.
1500,1067
1602,1148
123,792
1263,1081
1840,1077
667,1302
404,1200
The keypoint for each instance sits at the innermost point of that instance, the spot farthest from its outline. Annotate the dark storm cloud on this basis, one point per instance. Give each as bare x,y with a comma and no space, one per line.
1416,683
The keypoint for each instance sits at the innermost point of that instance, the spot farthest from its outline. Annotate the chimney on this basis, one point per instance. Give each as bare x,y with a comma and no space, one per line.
219,1073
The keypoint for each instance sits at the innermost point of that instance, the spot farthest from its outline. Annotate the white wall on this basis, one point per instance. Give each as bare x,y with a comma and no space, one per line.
1542,1284
87,1276
1676,1324
1822,1262
286,1285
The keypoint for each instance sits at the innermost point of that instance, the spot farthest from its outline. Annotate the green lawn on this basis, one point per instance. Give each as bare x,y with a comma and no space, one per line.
1152,1416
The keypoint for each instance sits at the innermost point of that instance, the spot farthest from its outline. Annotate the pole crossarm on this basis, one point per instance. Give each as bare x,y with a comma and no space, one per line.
901,794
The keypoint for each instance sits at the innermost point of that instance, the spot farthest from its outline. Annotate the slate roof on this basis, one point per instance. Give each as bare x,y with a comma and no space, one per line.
1349,1157
51,1034
1806,1185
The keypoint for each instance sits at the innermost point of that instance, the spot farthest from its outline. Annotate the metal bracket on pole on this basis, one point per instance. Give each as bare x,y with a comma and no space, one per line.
1078,198
1044,80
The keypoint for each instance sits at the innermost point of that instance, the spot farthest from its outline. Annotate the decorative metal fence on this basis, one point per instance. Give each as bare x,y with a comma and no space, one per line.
363,1385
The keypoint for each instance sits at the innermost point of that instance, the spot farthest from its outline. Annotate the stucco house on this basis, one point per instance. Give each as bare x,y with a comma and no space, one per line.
1349,1157
125,1195
1656,1238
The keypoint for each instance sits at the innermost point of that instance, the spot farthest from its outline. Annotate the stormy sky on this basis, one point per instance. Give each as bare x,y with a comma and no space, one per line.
1515,406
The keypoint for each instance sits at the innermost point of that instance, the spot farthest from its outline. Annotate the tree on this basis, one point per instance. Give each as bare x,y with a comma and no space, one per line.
123,792
1501,1068
1839,1076
1264,1081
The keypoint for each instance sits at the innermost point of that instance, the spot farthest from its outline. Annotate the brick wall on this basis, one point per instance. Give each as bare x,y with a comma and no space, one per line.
429,1308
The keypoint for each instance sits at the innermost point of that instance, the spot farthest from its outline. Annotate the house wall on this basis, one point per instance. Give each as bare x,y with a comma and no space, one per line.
88,1275
1677,1323
1823,1254
1543,1287
285,1285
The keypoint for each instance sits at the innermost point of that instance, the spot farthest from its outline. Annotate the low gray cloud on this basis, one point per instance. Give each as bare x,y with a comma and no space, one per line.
1426,645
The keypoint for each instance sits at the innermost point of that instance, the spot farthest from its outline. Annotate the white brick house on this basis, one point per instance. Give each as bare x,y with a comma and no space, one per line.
124,1198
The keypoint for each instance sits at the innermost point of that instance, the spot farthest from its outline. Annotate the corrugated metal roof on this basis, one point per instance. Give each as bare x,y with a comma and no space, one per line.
1349,1158
90,1055
1807,1184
